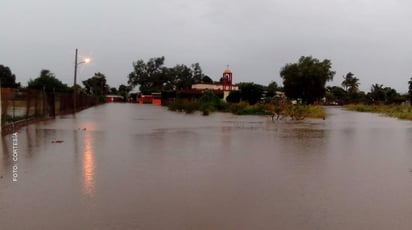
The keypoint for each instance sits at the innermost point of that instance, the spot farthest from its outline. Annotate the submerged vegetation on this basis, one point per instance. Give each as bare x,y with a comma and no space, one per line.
209,102
397,111
295,112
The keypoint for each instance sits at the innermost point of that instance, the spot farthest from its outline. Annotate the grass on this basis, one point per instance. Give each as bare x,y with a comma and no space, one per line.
398,111
244,108
315,111
297,112
8,118
187,106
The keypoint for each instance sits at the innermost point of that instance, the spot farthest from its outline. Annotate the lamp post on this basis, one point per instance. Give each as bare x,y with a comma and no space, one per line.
86,60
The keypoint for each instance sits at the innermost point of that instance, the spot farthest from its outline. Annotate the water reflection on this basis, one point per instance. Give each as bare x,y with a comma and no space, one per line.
88,165
4,146
166,170
5,154
226,138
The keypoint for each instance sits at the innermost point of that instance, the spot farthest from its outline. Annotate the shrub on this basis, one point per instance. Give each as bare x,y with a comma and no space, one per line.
234,97
209,102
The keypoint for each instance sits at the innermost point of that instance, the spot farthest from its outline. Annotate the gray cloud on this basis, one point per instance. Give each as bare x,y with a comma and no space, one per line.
256,38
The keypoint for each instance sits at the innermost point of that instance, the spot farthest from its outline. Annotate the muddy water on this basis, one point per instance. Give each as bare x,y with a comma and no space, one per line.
124,166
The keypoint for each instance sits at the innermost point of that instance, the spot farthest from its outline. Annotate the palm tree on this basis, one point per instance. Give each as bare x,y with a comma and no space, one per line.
350,83
377,93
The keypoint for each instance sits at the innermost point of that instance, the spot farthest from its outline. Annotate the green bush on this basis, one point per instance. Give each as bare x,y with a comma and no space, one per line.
209,102
180,105
234,97
243,108
238,108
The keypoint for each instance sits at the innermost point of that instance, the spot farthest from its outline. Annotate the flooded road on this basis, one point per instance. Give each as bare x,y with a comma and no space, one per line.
128,166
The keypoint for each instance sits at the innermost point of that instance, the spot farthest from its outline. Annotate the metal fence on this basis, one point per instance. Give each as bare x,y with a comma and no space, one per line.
20,107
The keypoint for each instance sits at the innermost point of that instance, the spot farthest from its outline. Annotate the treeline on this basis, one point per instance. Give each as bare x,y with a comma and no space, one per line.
303,81
378,94
349,93
306,81
153,76
48,82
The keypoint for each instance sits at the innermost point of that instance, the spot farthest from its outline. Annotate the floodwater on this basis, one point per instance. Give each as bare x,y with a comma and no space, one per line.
128,166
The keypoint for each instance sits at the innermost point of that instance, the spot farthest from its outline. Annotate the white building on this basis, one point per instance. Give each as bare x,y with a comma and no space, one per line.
226,85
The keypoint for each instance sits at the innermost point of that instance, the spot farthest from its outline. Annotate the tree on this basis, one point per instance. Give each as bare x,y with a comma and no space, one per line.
377,93
96,85
151,76
387,95
181,77
272,88
7,78
197,73
336,94
124,91
306,79
392,96
350,83
209,102
124,88
234,96
207,79
410,90
250,92
113,91
48,82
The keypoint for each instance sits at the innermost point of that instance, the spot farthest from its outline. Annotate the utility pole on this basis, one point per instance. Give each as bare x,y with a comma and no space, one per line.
75,81
86,60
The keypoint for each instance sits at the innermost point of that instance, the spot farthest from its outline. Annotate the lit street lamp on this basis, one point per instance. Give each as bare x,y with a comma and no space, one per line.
85,61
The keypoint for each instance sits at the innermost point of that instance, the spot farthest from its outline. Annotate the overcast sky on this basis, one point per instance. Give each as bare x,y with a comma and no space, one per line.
370,38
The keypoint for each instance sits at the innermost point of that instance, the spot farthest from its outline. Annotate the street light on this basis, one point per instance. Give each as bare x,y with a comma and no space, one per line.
85,61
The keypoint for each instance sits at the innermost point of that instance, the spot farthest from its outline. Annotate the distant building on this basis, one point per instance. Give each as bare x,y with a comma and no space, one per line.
225,86
154,98
113,98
